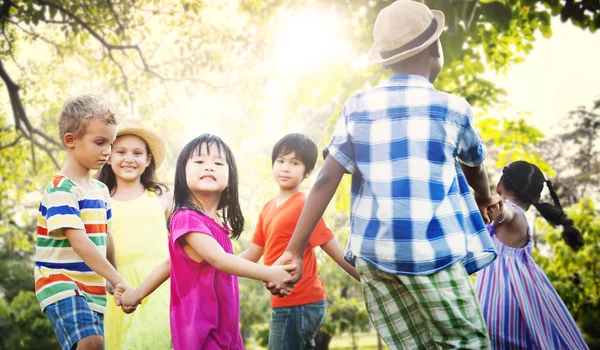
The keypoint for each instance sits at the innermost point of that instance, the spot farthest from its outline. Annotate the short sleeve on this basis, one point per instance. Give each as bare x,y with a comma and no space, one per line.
110,223
341,147
186,221
471,149
259,235
321,234
62,211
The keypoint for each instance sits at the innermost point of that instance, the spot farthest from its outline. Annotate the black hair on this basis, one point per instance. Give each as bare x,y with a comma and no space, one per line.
229,202
526,181
148,178
306,150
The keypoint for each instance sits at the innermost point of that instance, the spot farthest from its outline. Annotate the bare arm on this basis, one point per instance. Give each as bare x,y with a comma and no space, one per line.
478,180
110,256
319,197
210,251
333,249
166,202
133,296
88,252
253,253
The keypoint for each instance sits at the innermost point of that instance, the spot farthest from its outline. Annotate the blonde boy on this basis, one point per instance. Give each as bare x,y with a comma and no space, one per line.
74,225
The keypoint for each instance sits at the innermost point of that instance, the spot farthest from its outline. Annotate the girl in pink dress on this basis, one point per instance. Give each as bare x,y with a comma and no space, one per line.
205,306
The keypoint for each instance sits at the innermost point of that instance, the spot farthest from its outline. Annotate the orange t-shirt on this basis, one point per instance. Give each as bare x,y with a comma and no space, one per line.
274,230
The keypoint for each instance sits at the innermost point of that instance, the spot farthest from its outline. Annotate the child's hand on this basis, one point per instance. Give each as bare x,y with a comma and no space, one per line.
129,298
128,309
279,275
119,289
486,203
493,212
110,288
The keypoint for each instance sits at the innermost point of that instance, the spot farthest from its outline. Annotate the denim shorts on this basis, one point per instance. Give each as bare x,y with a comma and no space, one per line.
73,320
295,327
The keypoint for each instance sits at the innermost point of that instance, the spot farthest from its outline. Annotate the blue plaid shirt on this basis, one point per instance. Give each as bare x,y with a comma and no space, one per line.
412,212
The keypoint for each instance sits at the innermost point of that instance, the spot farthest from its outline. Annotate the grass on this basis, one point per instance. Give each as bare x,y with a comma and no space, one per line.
364,341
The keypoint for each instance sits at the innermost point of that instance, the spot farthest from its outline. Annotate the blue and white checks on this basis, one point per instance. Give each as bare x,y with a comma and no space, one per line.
412,212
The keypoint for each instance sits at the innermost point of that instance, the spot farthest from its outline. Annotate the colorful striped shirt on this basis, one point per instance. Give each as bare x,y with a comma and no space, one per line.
521,307
59,270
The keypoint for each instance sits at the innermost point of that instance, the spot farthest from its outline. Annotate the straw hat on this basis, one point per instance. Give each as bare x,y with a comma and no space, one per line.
155,142
403,29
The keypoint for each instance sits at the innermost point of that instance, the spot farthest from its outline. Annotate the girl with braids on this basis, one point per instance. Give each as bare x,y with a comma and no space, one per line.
521,308
205,303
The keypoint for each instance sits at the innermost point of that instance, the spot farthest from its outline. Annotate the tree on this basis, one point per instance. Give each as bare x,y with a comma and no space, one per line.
127,46
576,275
575,154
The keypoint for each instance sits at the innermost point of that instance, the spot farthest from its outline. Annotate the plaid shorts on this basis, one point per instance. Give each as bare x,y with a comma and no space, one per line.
424,312
73,320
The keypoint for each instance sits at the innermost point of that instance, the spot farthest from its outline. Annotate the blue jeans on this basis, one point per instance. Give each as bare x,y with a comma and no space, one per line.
295,327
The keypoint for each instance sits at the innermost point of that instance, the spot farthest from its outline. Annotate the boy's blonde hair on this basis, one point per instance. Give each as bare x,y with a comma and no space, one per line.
77,112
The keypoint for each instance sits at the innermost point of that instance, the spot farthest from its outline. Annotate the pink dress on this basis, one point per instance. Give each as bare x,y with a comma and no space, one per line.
205,303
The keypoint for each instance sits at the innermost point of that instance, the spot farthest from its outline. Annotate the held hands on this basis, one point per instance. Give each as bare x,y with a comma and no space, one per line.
122,289
293,267
484,204
496,213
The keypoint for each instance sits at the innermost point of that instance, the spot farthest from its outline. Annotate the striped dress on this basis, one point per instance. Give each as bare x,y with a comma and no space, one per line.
521,308
59,271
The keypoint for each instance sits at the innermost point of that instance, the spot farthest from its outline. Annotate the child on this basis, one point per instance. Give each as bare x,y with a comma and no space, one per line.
140,207
520,306
296,319
415,227
74,228
205,306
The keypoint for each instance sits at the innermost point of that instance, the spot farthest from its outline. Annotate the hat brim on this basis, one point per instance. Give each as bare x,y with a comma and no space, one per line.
155,143
376,55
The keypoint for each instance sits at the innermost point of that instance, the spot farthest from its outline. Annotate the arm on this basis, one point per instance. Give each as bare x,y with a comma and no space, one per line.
319,197
88,252
133,296
253,253
110,256
333,249
166,201
478,180
210,251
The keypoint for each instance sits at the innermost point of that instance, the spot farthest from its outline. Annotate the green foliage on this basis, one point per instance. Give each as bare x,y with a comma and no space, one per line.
576,275
23,326
509,140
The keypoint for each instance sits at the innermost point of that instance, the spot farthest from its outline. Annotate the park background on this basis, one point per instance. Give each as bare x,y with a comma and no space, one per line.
251,71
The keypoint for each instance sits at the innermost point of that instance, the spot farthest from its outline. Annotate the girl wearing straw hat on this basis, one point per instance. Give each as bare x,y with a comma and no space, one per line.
140,207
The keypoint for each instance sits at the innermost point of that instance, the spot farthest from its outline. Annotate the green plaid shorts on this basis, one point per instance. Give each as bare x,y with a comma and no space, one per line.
437,311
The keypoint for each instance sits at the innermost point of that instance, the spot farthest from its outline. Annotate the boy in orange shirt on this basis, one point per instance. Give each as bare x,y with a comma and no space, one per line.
295,319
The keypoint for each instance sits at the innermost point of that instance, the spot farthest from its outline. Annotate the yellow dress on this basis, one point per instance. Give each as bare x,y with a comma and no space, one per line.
141,243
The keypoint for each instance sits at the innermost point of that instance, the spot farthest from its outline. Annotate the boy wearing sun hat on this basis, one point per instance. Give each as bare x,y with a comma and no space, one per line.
416,228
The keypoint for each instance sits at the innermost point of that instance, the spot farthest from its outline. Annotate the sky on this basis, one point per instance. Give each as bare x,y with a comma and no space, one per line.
559,74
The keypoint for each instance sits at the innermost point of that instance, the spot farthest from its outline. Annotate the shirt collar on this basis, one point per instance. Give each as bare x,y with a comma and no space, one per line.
407,80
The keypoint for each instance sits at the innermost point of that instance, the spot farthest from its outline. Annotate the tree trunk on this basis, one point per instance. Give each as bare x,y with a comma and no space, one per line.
322,341
379,343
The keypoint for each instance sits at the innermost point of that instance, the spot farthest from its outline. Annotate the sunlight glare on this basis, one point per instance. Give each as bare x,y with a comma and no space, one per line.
310,39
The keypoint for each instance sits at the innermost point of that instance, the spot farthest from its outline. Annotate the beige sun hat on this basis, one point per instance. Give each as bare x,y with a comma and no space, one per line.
155,142
403,29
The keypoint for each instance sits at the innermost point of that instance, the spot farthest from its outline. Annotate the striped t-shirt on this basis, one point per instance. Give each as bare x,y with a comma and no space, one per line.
59,270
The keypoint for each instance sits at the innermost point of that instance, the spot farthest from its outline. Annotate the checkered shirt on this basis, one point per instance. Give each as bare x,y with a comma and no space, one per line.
412,212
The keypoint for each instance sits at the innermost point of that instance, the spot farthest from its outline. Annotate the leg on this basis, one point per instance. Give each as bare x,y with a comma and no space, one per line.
91,342
313,317
393,310
73,321
281,323
447,301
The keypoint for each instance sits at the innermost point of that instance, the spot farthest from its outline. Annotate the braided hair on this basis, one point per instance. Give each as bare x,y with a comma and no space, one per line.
526,181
